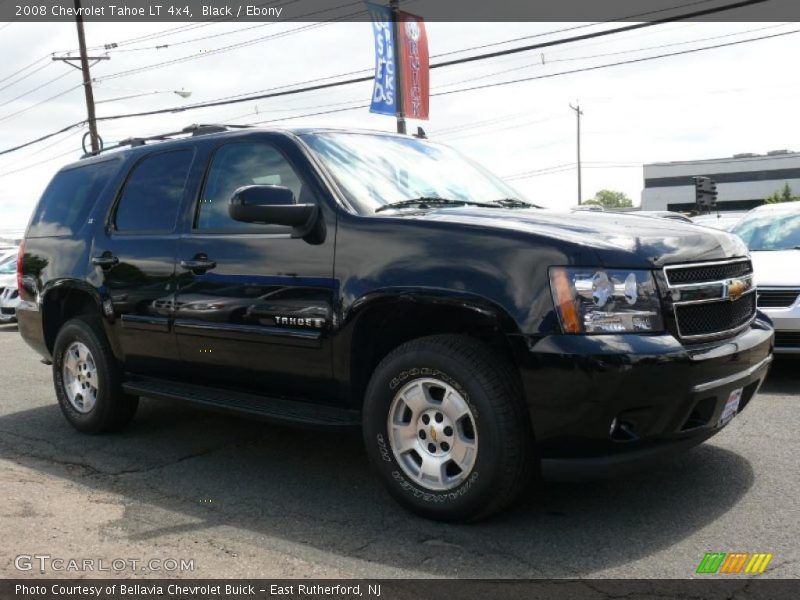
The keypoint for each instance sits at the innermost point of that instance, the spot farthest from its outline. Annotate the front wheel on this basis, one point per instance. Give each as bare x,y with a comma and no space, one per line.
446,429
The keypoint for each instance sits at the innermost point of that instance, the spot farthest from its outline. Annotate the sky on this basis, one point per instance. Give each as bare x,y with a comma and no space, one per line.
708,104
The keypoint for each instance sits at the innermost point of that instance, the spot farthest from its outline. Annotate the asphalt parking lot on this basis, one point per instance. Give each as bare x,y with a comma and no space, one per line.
245,499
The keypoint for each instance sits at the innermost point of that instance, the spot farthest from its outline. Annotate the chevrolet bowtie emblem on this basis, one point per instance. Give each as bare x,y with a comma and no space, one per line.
433,433
734,289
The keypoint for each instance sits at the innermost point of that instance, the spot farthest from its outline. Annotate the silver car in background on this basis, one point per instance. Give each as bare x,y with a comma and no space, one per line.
772,232
9,296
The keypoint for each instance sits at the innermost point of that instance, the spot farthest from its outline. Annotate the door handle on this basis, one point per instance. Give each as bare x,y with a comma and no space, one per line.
198,264
105,260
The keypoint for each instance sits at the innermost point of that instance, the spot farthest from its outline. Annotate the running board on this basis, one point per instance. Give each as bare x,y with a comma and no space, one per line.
277,410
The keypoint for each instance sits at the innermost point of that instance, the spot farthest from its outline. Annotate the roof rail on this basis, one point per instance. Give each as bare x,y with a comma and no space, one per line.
193,130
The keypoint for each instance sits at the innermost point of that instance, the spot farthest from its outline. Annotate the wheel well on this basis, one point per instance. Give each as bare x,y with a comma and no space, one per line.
60,306
384,328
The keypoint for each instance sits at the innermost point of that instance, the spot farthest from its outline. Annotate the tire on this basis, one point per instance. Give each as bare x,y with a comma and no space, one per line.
491,444
93,400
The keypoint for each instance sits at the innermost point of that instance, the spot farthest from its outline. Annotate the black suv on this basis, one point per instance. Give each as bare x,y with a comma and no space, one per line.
362,279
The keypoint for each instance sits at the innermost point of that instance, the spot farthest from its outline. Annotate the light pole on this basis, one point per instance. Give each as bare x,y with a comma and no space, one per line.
578,113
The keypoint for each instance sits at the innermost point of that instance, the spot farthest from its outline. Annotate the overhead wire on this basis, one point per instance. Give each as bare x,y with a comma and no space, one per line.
468,59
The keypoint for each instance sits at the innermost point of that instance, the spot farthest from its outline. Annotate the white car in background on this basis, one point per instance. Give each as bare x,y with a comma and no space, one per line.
724,220
9,296
772,232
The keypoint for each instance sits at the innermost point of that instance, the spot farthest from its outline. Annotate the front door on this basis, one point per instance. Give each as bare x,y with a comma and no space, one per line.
254,306
135,258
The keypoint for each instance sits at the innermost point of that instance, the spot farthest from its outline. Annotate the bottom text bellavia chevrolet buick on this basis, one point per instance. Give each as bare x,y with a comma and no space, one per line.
356,279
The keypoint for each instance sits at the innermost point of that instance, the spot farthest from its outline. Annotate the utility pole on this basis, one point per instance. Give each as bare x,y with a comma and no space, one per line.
399,96
87,78
578,113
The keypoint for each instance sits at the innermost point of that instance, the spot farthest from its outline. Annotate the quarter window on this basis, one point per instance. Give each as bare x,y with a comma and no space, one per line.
68,200
153,193
239,164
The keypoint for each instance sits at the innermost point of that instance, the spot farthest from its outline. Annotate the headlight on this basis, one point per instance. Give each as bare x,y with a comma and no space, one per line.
605,301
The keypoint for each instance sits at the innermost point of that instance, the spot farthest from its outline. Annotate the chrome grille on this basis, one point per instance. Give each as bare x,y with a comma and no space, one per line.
777,297
710,300
709,318
700,273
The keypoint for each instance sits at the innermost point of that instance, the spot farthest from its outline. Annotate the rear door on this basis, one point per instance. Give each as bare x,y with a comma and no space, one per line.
135,258
254,306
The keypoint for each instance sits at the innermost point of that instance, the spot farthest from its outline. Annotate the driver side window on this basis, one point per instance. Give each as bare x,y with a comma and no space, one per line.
238,164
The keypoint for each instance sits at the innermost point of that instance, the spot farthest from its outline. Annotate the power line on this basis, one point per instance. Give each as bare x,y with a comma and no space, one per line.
434,66
42,138
576,27
26,67
459,61
605,32
36,89
24,77
620,52
216,51
550,75
183,28
77,151
617,64
237,31
45,101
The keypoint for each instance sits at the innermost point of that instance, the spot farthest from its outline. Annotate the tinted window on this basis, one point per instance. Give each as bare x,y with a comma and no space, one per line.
153,192
236,165
67,201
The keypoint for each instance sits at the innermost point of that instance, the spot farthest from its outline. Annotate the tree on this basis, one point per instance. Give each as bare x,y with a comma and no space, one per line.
610,199
782,195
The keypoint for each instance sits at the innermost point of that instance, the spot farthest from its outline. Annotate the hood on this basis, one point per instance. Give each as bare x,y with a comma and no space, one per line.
617,239
9,280
776,268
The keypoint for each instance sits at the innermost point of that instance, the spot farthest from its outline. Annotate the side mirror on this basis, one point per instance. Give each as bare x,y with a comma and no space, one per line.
272,205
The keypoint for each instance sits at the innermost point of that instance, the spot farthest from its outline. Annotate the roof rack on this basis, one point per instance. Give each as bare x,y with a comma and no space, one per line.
193,130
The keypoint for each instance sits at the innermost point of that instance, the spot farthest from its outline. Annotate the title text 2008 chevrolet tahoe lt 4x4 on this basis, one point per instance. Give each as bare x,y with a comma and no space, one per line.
340,278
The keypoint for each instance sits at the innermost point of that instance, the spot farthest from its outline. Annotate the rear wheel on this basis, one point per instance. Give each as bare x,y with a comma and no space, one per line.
88,379
446,429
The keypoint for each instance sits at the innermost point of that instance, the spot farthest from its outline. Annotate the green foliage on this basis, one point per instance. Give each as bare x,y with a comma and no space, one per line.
782,195
610,199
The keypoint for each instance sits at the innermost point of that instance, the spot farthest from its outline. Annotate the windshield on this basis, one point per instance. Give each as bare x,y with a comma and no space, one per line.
770,231
374,170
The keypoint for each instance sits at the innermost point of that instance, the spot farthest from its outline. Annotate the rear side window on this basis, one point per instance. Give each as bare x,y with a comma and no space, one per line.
68,200
152,195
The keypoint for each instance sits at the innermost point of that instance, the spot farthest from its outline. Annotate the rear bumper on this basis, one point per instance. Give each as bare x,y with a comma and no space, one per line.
658,396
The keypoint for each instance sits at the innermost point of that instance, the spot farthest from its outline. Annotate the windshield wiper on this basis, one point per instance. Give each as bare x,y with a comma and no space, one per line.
513,203
429,201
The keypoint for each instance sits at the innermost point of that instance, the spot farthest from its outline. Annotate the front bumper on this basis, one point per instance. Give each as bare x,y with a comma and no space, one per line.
664,396
786,322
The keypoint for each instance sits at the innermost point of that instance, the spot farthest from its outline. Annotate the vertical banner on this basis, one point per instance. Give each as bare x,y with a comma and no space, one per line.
384,96
414,66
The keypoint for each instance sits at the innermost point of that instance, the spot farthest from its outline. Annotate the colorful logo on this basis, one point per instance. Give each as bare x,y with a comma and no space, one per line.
734,289
734,562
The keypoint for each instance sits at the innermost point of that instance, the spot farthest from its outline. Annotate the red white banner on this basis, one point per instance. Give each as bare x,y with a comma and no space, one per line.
414,65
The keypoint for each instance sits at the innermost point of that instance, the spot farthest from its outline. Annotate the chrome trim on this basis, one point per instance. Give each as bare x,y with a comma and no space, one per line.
730,261
702,284
710,385
719,299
